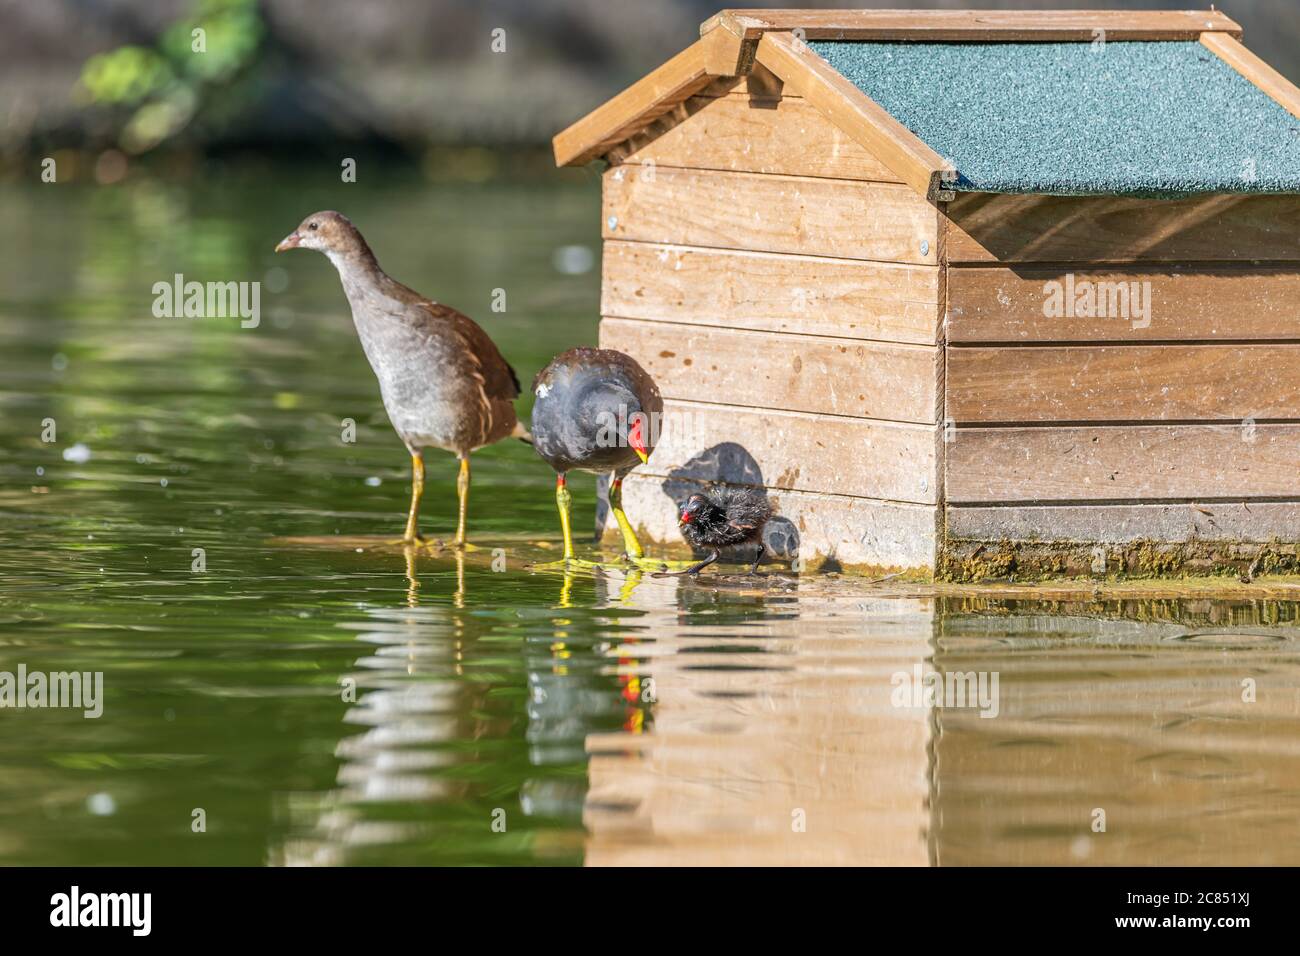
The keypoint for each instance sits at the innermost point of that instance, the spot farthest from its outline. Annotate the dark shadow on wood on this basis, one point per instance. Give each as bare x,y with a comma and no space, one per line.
1080,229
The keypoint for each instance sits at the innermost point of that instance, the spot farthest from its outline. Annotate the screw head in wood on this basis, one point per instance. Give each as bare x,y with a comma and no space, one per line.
612,222
925,247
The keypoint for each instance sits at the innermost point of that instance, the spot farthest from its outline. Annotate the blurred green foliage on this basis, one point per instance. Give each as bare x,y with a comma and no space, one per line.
158,90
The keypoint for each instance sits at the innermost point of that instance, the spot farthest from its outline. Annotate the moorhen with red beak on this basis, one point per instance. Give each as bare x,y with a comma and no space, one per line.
723,517
443,381
593,413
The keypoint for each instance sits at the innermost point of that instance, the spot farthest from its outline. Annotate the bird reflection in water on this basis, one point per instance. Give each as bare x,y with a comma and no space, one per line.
570,692
412,551
436,700
628,582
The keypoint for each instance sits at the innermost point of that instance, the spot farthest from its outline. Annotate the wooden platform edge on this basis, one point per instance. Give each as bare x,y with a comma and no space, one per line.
1269,81
962,560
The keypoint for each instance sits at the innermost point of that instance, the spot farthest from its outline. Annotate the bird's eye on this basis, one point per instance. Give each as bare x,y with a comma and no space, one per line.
312,227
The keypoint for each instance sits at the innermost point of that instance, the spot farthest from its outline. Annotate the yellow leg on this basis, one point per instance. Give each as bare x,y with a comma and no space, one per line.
630,544
462,492
417,491
563,501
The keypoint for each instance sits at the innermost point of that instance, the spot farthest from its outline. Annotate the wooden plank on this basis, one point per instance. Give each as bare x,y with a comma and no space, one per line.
853,111
1273,84
713,55
737,132
988,25
795,451
1123,463
805,216
1035,304
941,383
1246,521
1123,383
768,292
855,532
801,373
986,228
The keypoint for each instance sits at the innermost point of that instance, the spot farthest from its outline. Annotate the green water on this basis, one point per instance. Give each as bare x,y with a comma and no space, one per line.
317,696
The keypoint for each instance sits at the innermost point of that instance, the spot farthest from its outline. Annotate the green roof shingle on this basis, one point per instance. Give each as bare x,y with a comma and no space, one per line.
1155,119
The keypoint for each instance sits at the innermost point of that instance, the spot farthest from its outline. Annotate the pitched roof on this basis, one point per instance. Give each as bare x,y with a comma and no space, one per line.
906,102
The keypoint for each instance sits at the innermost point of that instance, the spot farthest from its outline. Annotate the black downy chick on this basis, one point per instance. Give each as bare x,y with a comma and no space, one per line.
722,517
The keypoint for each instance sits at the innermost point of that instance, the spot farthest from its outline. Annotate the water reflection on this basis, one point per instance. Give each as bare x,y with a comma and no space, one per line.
1117,739
1177,720
431,732
774,739
666,721
404,694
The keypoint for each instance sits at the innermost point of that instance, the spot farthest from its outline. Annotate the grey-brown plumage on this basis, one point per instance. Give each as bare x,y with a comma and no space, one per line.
723,517
443,381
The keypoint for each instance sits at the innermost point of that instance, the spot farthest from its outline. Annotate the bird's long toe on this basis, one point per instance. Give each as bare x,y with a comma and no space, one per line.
569,564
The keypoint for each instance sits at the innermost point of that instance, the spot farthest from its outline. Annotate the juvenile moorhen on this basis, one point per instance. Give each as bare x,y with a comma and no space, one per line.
443,381
722,517
593,413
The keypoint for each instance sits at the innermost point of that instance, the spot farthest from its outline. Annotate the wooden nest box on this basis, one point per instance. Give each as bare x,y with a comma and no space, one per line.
976,293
